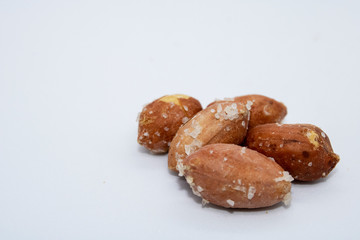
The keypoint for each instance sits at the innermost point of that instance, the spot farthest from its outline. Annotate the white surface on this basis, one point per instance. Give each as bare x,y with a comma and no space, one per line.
74,75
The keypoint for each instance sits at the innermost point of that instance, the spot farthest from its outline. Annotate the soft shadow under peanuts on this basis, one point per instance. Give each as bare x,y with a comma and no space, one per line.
143,150
171,172
183,185
319,181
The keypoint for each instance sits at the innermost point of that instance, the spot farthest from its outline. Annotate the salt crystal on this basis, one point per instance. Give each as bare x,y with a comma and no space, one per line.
287,199
285,177
243,149
248,105
204,202
230,202
251,192
185,119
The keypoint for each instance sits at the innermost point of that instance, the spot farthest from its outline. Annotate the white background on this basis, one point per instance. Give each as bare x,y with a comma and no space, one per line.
74,75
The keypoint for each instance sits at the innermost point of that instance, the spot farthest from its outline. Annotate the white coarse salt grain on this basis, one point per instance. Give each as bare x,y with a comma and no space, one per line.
180,167
164,115
243,123
281,145
196,130
323,174
189,179
243,150
248,105
150,112
200,189
225,159
230,202
186,108
146,134
211,151
251,192
287,199
166,129
212,110
310,164
204,202
185,119
231,112
285,177
323,134
157,134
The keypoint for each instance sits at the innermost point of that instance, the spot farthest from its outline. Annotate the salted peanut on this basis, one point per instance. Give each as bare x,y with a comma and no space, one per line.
263,110
302,149
231,176
224,122
160,120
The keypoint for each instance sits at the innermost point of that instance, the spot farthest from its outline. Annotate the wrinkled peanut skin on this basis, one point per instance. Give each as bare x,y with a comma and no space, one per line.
213,130
152,122
303,150
233,179
263,110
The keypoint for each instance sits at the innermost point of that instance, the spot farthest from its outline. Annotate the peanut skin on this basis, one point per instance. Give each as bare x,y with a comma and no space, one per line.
263,110
302,149
160,120
225,122
231,176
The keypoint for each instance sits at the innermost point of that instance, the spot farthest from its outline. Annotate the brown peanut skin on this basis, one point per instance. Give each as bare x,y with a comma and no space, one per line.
263,110
213,131
152,123
231,179
303,150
